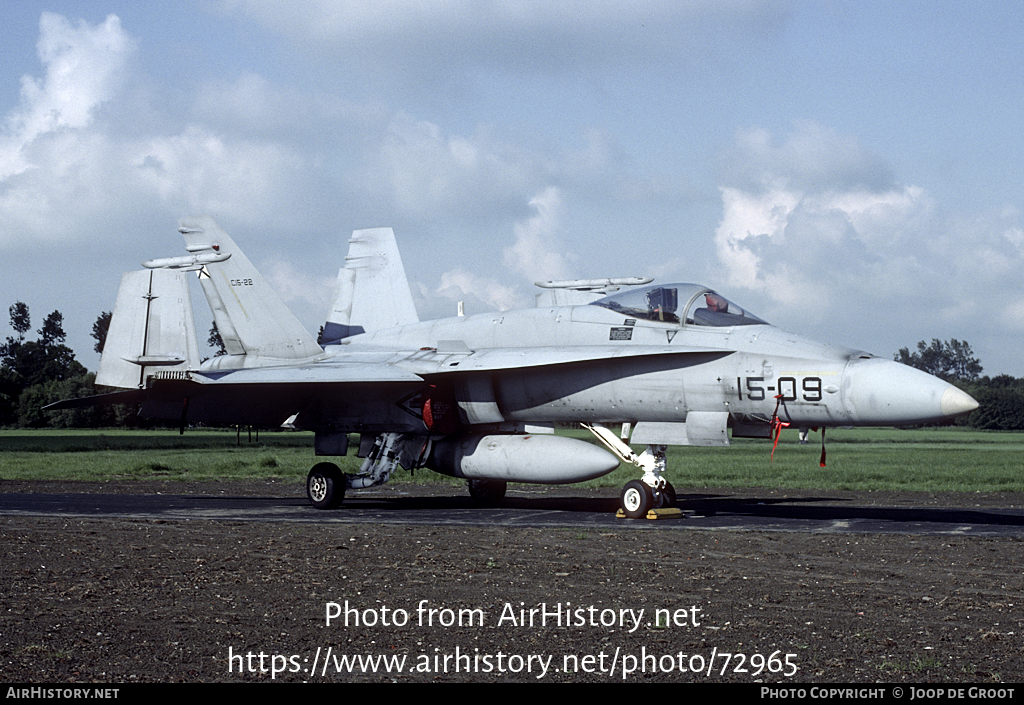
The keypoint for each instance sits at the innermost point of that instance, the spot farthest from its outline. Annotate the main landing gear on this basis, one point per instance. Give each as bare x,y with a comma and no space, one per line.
652,491
487,493
326,484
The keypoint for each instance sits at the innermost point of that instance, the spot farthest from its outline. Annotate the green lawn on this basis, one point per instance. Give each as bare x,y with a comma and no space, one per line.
933,460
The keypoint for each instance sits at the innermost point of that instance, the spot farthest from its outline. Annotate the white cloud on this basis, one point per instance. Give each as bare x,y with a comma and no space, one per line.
449,121
57,166
66,164
532,253
806,237
812,158
748,221
429,174
296,286
818,216
204,172
529,256
460,285
83,68
814,250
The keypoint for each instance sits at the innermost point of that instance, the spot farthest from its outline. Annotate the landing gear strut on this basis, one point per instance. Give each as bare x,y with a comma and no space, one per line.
326,484
652,491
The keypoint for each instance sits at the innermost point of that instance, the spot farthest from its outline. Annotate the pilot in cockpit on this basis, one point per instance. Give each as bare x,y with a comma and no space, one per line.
716,303
715,313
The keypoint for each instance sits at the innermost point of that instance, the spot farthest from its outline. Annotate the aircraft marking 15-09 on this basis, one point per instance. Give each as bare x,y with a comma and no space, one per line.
810,388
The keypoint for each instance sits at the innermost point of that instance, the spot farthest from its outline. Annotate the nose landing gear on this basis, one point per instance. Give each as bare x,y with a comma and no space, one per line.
652,491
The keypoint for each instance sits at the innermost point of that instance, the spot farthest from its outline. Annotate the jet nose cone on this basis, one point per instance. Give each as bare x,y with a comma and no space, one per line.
956,402
885,393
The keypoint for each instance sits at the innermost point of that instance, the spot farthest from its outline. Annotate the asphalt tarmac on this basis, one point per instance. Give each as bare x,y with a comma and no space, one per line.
722,509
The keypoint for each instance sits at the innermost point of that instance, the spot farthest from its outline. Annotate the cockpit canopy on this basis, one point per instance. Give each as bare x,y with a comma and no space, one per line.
691,304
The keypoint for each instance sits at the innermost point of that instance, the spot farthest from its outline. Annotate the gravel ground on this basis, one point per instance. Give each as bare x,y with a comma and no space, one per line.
100,600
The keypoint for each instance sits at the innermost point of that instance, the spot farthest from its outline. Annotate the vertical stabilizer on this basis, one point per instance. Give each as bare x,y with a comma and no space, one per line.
151,329
251,317
373,291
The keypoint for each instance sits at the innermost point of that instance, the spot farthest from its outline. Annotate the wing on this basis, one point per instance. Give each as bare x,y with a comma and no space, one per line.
370,391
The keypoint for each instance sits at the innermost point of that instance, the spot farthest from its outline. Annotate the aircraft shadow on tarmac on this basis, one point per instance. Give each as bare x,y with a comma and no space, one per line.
824,509
700,510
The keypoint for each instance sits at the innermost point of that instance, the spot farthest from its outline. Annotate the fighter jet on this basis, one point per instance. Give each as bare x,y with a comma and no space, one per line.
479,397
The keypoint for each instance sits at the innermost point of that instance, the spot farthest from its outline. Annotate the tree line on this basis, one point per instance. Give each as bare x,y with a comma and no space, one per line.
1000,398
34,373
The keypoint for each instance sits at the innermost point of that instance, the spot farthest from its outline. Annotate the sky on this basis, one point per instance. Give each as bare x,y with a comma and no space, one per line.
848,170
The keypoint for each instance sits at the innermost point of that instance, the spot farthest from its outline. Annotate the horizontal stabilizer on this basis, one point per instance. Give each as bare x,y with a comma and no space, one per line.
126,396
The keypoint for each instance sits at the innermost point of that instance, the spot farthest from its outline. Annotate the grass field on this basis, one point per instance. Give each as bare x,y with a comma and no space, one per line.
932,460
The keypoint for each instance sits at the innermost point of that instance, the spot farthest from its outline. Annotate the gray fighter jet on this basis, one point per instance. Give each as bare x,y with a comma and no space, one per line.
478,397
